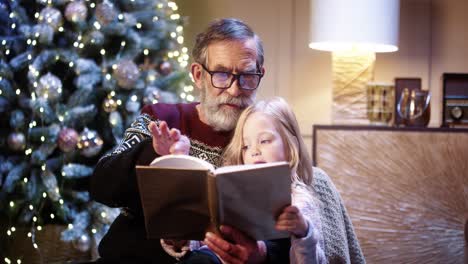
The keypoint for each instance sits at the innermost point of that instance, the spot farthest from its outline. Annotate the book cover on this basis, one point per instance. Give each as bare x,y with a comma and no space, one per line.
183,197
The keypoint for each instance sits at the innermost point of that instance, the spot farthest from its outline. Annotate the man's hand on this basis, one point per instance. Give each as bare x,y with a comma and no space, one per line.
292,220
242,249
167,141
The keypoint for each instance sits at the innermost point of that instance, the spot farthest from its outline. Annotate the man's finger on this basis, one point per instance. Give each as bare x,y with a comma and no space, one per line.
154,129
164,128
174,133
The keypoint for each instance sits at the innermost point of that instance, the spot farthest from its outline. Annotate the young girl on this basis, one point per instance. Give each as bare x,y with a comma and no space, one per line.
267,132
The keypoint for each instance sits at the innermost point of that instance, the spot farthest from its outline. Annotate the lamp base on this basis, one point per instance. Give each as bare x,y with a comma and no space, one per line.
352,70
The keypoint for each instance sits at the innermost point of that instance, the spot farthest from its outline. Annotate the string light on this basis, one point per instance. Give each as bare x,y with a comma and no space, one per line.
179,28
175,16
25,180
138,25
70,226
61,201
29,234
52,216
12,204
94,231
122,43
146,51
97,25
180,40
60,29
34,219
173,34
121,17
92,5
103,52
31,207
155,18
39,228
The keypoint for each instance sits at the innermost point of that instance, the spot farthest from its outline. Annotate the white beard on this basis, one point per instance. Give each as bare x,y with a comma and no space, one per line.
223,118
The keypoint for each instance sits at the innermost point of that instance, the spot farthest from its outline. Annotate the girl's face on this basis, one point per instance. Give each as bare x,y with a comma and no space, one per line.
261,140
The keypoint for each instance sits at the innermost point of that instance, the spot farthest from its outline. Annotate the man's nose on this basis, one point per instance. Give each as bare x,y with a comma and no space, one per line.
234,90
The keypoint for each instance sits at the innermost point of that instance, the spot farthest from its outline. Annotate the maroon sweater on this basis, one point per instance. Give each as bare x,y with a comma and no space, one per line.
114,181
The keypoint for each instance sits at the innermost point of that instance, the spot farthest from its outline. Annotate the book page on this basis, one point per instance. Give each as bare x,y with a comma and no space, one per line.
182,162
244,167
251,199
175,202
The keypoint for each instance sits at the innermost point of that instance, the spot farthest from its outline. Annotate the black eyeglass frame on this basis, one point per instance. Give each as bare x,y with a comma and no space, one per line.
233,78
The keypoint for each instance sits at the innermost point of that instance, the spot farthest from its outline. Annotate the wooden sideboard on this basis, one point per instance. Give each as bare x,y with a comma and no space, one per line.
406,189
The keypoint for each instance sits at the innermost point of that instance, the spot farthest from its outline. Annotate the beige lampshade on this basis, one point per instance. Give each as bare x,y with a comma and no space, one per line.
370,25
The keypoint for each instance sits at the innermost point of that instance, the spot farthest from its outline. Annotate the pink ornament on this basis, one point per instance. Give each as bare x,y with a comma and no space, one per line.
68,138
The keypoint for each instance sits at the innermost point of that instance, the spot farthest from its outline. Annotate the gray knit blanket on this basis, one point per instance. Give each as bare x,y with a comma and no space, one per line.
341,243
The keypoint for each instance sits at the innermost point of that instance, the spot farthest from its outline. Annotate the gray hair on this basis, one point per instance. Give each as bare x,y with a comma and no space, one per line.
230,29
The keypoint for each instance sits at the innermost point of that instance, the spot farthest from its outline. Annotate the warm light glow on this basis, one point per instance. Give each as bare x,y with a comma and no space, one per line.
344,46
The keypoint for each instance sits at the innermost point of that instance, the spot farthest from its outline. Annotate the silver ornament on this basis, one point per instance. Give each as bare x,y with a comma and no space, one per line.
126,74
105,13
16,141
90,143
49,87
67,139
52,17
76,11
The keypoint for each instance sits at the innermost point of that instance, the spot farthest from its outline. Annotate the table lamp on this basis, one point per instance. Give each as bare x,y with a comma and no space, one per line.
353,31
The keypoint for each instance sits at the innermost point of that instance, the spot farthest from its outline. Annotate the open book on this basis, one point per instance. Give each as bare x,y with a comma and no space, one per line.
183,197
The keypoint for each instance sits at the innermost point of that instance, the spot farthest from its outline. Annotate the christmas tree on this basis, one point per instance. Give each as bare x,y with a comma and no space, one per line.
73,76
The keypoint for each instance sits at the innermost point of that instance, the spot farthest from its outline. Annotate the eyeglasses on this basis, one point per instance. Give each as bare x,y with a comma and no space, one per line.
224,80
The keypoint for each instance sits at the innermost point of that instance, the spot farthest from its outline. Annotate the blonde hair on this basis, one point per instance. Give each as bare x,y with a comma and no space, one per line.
286,124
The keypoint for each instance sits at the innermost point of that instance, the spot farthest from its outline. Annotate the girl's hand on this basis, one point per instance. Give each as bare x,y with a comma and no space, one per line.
177,244
292,220
167,141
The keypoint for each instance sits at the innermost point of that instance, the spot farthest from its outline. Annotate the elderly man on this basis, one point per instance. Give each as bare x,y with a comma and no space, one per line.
227,70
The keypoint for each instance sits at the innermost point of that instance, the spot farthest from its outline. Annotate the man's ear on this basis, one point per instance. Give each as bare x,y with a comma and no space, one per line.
263,70
196,70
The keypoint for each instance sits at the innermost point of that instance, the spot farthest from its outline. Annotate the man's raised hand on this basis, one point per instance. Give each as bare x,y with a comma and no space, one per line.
168,141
